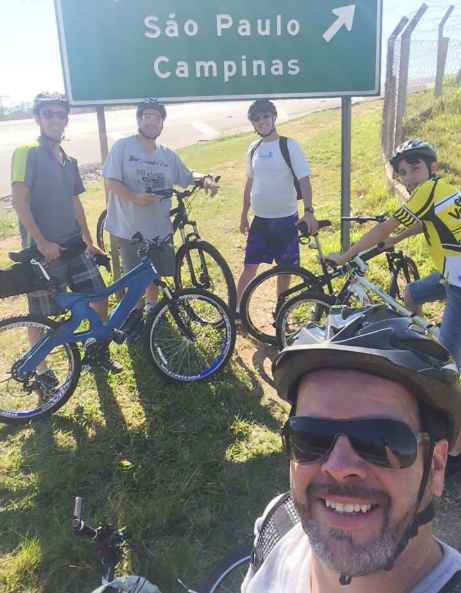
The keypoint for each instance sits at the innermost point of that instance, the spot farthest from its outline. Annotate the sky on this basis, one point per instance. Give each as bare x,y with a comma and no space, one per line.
29,50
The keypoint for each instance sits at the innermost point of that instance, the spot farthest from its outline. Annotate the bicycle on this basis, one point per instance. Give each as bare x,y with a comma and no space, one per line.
260,305
198,263
188,337
226,577
312,305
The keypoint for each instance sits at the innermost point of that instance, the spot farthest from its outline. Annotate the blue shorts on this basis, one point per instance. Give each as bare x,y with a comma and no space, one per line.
272,239
429,289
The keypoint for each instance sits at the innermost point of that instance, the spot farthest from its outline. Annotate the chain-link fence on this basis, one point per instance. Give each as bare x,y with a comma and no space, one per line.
423,77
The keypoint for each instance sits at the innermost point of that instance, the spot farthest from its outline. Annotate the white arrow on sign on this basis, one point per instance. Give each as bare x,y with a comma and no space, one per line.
345,16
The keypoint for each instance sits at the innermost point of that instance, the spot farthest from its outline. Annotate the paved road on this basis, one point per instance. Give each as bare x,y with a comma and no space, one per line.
186,124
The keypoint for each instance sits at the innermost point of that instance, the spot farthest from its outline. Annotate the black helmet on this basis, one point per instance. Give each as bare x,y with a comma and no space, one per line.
259,106
151,103
378,341
50,98
419,147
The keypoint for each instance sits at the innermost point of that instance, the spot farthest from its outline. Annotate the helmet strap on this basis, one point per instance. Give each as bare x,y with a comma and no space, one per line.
265,135
149,137
419,519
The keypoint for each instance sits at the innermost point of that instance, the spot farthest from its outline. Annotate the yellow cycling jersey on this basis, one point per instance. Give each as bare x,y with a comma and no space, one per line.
437,205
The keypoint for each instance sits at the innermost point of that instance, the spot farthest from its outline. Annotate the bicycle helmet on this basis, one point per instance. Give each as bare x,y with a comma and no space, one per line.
379,341
419,147
49,98
259,106
151,103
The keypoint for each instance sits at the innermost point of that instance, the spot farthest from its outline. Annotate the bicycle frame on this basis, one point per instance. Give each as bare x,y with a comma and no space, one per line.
135,281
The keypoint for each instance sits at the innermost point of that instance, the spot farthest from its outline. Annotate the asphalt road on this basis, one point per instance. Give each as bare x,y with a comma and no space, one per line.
186,124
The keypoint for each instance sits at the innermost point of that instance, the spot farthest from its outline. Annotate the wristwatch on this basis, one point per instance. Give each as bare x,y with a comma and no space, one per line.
309,209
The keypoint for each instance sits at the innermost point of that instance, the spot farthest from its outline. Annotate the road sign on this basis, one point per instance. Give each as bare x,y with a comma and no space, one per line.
119,51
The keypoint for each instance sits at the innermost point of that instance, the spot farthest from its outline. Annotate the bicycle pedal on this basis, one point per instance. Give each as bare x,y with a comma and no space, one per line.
118,336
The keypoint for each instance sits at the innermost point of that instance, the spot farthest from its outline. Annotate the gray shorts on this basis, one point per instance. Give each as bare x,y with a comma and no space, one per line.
429,289
80,274
163,259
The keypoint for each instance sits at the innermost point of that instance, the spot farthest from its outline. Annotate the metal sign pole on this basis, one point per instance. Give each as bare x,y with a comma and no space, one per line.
104,152
346,134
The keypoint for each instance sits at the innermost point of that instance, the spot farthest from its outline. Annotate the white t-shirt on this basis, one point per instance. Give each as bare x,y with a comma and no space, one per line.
287,569
138,170
273,194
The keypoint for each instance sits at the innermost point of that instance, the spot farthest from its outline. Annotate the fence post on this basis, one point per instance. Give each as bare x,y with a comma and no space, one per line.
442,51
403,73
390,88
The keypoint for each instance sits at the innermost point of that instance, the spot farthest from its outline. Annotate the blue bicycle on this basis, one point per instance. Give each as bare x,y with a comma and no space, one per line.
188,337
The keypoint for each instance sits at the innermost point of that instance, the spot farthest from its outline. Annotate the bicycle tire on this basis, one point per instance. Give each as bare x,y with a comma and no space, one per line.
100,231
12,391
258,310
309,306
404,273
167,346
223,287
228,575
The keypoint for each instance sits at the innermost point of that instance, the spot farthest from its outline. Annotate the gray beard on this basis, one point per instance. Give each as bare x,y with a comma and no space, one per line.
361,559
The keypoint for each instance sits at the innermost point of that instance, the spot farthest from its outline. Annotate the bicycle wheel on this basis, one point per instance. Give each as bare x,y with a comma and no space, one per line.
184,341
229,574
102,238
404,273
260,305
309,306
200,265
36,397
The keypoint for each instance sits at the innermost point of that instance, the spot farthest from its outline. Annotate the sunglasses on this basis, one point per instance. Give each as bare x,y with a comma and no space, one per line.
384,442
48,114
260,117
151,116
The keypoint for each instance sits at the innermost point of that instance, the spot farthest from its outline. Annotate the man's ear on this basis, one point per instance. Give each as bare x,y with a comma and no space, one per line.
439,461
434,167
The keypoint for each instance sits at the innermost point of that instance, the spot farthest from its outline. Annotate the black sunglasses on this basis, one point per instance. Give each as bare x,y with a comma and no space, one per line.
381,441
49,114
259,117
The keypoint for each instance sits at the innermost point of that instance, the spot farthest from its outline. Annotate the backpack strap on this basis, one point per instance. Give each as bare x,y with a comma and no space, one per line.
453,585
286,155
279,520
253,150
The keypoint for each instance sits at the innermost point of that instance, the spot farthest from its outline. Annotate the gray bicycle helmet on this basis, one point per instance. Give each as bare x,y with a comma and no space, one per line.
417,146
49,98
151,103
259,106
378,341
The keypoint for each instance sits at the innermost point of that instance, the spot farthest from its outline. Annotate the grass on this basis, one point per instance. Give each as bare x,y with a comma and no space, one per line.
187,469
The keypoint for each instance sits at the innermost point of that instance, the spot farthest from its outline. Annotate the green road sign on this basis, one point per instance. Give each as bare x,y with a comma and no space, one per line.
119,51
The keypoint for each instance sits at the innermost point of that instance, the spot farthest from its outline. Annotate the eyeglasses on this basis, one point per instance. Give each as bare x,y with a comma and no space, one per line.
384,442
49,114
151,116
263,116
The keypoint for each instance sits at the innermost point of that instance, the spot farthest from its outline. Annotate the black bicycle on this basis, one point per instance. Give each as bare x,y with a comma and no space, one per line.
266,294
198,263
112,544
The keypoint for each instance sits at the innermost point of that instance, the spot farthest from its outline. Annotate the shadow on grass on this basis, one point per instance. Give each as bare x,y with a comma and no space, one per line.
187,467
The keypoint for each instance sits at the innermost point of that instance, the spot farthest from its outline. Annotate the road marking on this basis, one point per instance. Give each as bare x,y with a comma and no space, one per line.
205,129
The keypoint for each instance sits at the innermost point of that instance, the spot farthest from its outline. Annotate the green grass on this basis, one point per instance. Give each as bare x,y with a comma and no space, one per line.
187,468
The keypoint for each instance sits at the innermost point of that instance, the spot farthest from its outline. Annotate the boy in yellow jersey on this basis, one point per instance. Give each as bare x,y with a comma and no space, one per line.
434,207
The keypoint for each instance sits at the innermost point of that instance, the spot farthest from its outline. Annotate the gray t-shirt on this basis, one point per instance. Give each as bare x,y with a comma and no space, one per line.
139,170
287,569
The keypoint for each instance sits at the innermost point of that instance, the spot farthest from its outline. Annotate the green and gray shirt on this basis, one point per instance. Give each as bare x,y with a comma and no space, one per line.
52,186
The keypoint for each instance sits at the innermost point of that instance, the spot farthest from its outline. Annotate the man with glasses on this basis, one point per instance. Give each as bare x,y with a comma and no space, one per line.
46,185
135,167
277,174
375,408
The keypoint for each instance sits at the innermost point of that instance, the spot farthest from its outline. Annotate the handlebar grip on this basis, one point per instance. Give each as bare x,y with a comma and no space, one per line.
78,508
81,529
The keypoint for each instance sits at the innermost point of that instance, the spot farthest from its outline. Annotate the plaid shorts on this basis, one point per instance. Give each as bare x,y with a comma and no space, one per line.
272,239
80,274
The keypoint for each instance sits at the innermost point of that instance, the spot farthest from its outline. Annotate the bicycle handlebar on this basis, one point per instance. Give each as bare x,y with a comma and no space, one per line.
363,219
168,193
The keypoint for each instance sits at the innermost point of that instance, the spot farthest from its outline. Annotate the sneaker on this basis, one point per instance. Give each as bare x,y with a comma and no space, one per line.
149,307
453,466
47,384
